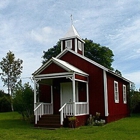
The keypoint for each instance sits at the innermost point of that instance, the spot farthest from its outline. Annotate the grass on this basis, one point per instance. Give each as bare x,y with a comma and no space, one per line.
13,128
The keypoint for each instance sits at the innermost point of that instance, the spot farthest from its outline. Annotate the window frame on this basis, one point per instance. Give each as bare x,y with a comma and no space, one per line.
124,94
116,92
68,44
79,45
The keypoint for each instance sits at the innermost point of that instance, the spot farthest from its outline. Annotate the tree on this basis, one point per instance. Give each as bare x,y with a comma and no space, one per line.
11,71
52,52
135,102
24,100
100,54
93,51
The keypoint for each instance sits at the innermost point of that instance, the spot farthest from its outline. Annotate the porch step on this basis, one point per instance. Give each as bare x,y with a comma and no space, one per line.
49,121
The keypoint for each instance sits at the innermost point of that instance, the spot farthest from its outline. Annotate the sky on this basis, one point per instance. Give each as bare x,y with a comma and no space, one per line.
29,27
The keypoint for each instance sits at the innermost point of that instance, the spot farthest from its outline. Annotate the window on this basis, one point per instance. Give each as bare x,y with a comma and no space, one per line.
68,44
124,94
116,92
79,45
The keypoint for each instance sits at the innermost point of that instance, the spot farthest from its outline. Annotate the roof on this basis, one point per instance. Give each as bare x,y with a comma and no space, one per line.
62,64
68,66
92,62
72,33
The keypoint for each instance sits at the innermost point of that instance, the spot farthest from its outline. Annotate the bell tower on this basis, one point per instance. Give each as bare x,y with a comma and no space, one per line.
72,41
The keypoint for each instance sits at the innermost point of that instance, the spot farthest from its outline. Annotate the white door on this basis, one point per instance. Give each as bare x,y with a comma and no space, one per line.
67,92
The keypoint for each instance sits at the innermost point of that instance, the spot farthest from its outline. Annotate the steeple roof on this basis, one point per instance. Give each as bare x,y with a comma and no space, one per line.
72,33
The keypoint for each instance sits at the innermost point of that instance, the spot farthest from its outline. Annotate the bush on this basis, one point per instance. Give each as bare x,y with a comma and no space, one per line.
24,101
5,102
135,102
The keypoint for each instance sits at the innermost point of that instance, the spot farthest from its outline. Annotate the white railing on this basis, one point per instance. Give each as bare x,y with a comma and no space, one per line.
42,109
81,108
73,109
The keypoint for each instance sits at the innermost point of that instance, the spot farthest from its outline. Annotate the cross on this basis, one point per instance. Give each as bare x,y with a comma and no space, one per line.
71,19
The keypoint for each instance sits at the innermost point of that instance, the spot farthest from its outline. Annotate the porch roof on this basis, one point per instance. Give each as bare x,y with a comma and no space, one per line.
63,64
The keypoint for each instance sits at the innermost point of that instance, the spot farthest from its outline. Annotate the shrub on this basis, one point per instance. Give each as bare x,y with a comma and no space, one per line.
23,101
5,102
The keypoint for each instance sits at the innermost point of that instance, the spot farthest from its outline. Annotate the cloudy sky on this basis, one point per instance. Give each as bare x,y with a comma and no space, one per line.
29,27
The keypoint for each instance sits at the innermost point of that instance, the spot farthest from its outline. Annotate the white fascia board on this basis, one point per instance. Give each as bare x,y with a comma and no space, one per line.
53,75
109,71
68,66
83,57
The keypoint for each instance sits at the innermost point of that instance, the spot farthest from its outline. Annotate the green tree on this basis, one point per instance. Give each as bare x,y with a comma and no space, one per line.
11,71
52,52
100,54
24,100
135,101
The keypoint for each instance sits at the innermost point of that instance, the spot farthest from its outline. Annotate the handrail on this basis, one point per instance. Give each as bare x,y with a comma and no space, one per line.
41,109
37,107
62,107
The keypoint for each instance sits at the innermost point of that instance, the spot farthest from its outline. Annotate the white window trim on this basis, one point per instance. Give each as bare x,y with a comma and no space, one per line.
124,95
116,92
68,42
80,45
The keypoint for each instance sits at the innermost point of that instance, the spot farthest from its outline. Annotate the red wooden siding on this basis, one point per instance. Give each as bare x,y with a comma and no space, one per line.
53,68
116,110
82,92
96,90
80,77
45,93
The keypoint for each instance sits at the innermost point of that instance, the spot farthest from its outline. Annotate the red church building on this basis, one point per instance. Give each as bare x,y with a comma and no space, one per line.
73,85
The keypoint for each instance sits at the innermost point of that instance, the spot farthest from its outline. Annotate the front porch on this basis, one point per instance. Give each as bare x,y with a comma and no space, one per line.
67,110
67,93
60,88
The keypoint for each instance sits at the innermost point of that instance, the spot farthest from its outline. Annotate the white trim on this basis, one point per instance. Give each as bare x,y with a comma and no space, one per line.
92,62
83,57
61,45
75,45
87,91
34,94
116,92
105,93
79,45
68,44
73,87
80,80
54,74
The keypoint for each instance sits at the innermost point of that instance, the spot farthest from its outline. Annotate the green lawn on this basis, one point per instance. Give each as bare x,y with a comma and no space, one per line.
13,128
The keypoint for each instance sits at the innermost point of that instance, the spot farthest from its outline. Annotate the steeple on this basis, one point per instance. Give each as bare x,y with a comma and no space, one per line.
73,41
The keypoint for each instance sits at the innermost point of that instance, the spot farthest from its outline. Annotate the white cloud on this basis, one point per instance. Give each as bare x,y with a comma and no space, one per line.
4,3
134,77
30,27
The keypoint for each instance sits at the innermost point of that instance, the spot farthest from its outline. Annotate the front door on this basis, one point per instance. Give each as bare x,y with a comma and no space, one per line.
66,93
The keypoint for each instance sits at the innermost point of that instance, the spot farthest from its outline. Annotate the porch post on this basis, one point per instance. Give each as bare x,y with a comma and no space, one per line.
34,93
52,98
73,87
87,91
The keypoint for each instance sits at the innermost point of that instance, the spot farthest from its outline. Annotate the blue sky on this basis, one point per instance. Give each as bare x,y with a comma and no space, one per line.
27,28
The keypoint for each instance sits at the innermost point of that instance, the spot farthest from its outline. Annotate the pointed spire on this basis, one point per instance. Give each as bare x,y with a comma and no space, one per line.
71,33
71,20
